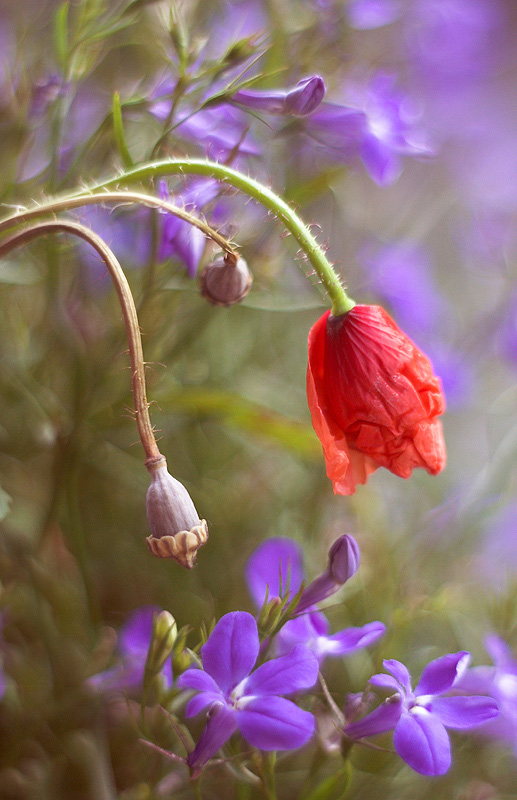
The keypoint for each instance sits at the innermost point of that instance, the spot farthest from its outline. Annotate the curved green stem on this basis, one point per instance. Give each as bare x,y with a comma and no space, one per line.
76,200
341,303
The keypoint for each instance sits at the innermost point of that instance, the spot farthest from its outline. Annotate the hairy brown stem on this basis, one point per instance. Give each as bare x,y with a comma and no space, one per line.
127,303
55,206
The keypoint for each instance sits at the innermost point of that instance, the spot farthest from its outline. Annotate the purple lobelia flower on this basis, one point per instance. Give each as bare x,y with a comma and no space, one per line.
379,124
500,683
281,560
299,101
419,717
236,697
179,239
134,640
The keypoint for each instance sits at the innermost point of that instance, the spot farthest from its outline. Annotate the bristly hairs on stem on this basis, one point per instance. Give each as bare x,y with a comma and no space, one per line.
141,406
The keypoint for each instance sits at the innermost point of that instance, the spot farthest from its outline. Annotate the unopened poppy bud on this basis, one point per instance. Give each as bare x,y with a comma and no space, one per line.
176,530
226,280
165,632
344,558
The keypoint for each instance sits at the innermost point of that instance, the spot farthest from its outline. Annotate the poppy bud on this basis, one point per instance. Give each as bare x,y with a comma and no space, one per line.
176,530
226,280
373,397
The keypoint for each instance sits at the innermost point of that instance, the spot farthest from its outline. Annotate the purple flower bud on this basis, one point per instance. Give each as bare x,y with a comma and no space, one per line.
299,101
176,530
343,562
344,558
226,281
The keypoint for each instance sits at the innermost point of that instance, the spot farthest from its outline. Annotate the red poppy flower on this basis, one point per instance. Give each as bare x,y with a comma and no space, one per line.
373,398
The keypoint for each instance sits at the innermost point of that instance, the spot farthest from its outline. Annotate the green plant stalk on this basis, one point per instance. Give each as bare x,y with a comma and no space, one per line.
340,301
77,200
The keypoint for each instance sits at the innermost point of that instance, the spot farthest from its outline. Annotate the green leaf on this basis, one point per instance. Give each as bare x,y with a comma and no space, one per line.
118,129
335,787
245,415
61,35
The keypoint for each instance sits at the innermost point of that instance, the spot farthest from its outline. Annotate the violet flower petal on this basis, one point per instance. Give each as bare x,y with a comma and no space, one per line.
306,629
422,742
382,719
399,671
352,639
274,723
500,652
439,675
197,679
231,650
369,14
290,673
135,635
201,701
461,713
218,729
385,681
381,162
271,559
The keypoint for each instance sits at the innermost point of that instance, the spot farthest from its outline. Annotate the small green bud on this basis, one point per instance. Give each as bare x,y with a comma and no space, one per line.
163,639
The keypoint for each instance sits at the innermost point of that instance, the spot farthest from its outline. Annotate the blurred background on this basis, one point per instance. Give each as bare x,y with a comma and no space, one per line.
408,173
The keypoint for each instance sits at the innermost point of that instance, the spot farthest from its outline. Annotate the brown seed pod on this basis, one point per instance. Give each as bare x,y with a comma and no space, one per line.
226,280
176,530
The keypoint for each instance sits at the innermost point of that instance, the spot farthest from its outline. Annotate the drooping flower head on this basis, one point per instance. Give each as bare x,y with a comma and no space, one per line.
373,398
420,717
276,568
236,697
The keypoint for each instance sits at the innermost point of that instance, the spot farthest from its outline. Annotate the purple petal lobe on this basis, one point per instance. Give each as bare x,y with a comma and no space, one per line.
463,712
290,673
352,639
231,650
369,14
381,162
423,743
274,723
383,719
201,701
385,681
218,729
440,675
501,654
399,671
307,629
135,635
197,679
273,559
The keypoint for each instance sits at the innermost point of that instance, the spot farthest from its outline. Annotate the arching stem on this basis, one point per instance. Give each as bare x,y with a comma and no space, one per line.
76,201
129,314
341,303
